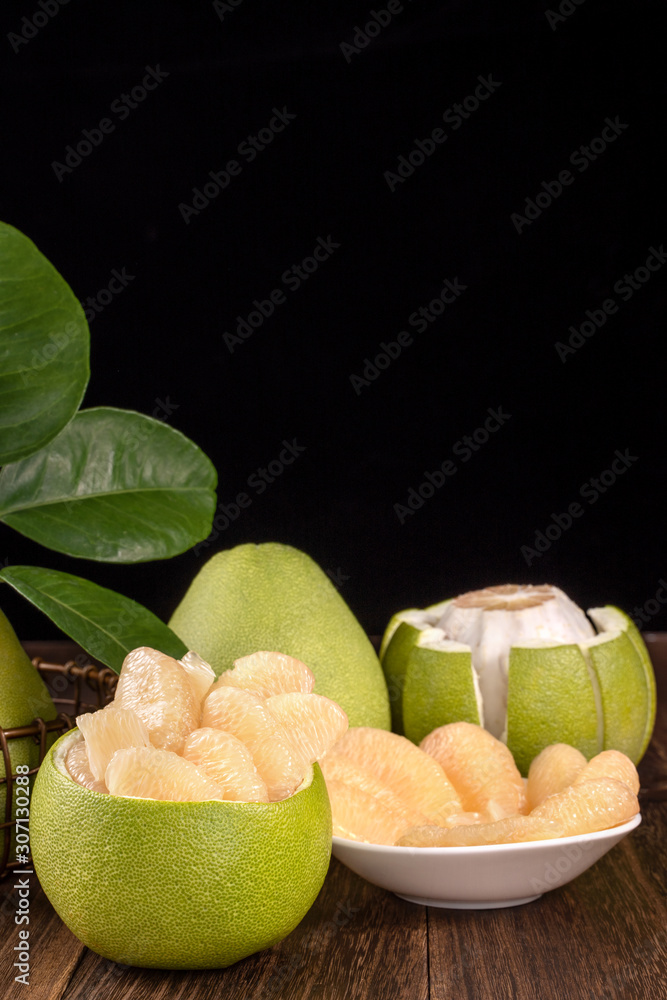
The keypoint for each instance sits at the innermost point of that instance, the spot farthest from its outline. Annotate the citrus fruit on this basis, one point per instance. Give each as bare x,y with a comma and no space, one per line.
280,763
345,772
149,773
415,777
588,806
551,771
610,764
78,767
228,762
107,730
159,690
359,815
526,663
266,674
177,885
313,722
23,697
509,830
200,673
480,767
273,596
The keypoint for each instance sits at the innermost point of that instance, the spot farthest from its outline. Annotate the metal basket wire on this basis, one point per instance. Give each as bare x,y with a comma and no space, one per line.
76,688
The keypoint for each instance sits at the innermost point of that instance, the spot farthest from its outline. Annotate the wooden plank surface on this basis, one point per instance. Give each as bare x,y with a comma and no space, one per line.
603,936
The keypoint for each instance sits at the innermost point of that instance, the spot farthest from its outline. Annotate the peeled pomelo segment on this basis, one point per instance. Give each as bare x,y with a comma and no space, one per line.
554,768
401,634
78,768
359,815
416,778
266,674
589,806
480,767
158,688
314,723
226,760
241,713
149,773
552,697
510,830
346,771
200,672
610,764
627,684
440,686
107,730
494,619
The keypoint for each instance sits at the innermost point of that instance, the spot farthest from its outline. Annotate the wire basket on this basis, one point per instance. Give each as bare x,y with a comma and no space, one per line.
75,688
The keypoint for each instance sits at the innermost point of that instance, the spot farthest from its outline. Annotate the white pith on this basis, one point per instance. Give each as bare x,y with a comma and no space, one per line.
489,633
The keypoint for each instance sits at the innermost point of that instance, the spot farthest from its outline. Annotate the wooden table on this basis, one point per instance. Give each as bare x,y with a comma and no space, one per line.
603,936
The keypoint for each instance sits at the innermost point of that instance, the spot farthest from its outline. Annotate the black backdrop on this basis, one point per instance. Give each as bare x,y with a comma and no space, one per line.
538,199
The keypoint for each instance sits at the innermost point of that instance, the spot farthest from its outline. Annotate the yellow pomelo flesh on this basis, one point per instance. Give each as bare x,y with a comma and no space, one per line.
346,772
177,885
610,764
280,763
314,723
228,762
23,697
78,766
554,768
159,690
415,777
108,730
480,767
266,674
359,815
148,773
274,597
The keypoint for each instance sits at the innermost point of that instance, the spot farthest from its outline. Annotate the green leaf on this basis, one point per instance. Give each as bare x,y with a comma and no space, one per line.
106,624
44,348
115,486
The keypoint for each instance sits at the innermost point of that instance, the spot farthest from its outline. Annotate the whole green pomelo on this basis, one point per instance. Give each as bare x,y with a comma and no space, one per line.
23,697
274,597
177,885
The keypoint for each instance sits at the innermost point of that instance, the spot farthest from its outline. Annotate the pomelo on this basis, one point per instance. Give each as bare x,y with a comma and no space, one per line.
527,664
23,697
274,597
176,885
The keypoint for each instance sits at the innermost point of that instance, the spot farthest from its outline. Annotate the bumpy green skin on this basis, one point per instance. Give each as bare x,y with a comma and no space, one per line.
23,697
438,690
177,885
538,714
394,665
274,597
619,669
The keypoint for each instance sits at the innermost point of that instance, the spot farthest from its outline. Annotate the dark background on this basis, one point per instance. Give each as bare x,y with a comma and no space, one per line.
159,346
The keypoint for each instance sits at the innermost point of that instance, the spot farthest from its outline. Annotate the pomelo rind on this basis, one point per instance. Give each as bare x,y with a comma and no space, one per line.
177,885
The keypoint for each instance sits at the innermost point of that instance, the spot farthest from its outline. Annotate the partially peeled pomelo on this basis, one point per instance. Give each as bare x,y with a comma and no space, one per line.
527,664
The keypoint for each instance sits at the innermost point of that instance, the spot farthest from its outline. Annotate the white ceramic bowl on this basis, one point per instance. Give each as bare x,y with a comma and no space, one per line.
471,878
